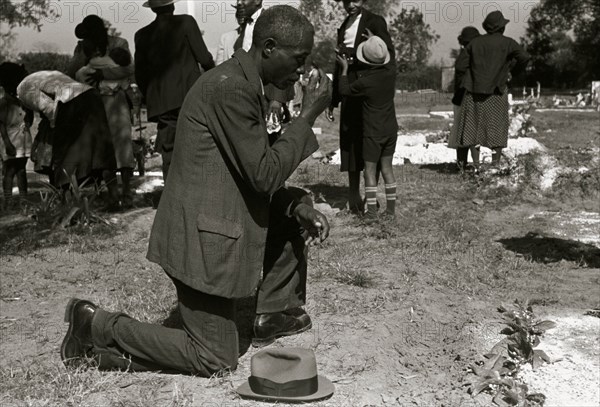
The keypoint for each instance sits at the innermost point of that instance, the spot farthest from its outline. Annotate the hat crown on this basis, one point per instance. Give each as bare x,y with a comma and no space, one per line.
494,21
282,365
158,3
375,50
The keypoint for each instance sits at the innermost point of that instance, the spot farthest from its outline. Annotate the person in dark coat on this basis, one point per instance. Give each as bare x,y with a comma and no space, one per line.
465,37
351,33
484,110
167,54
224,217
375,87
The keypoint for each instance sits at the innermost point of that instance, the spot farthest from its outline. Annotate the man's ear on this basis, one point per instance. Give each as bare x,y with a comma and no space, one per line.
269,46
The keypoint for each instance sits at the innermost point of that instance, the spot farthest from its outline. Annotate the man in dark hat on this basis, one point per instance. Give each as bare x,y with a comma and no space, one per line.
225,218
167,54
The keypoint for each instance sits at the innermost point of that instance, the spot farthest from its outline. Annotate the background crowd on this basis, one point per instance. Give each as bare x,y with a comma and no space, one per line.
85,131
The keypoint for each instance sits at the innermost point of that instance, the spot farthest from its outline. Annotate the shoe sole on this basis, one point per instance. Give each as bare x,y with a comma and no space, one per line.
69,310
259,343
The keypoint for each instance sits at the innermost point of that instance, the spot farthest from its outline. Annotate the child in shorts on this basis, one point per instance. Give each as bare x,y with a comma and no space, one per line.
15,140
376,86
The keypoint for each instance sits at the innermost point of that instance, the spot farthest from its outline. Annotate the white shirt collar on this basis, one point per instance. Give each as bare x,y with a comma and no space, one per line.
255,15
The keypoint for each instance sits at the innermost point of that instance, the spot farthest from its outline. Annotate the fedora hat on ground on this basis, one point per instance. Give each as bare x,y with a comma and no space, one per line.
285,374
494,21
158,3
373,52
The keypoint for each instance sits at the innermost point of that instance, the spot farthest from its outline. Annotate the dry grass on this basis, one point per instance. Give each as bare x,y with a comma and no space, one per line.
374,292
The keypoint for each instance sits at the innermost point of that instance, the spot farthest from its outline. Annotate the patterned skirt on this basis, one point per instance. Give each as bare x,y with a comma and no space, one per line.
483,120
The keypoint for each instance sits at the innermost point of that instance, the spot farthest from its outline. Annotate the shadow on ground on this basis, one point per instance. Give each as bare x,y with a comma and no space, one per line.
546,250
443,168
335,195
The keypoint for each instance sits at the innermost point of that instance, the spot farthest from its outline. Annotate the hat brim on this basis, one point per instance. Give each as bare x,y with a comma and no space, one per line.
361,56
147,4
325,390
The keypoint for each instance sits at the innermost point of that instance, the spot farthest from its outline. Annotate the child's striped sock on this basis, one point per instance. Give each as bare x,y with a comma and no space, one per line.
371,197
390,198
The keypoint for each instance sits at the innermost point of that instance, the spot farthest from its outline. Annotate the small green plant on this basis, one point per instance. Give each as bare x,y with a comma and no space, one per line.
498,373
64,208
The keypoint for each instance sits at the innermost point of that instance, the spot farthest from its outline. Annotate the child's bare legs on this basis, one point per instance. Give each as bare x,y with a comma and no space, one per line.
110,179
387,171
475,156
354,199
371,188
14,168
7,181
126,175
461,157
496,155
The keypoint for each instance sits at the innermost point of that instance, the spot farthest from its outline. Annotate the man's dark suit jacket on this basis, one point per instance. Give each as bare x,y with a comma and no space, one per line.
488,60
378,27
167,54
211,225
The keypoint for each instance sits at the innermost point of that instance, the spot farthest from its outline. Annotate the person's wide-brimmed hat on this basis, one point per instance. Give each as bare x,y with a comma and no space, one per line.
467,34
285,374
158,3
89,26
373,52
494,21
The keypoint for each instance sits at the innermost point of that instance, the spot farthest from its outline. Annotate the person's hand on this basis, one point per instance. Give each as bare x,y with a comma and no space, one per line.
313,221
341,59
317,97
275,108
368,33
330,114
95,78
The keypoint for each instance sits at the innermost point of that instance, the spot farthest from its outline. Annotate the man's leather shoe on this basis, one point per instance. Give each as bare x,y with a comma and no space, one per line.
268,327
78,341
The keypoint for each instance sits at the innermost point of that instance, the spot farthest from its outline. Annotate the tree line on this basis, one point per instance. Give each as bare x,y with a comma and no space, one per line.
562,36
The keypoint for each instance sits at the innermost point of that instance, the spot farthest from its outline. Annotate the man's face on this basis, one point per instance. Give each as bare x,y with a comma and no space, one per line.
353,7
284,66
247,7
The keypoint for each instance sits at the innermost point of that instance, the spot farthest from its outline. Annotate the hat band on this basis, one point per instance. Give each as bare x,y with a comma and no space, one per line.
295,388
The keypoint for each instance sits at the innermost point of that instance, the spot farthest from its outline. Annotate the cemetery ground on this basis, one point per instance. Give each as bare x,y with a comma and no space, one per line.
400,308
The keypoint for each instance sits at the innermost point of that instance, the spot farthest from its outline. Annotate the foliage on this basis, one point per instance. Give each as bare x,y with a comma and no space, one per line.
65,208
563,38
412,38
426,77
498,372
41,61
21,13
326,16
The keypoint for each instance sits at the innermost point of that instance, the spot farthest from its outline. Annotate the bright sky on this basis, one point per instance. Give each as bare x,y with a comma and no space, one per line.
215,17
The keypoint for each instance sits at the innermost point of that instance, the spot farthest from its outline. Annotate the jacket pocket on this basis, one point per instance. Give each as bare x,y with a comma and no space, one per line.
218,225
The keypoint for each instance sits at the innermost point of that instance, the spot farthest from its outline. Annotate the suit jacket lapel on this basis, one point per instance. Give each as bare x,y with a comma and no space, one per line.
361,27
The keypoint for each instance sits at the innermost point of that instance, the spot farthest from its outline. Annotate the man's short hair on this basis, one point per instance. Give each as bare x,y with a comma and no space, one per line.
284,24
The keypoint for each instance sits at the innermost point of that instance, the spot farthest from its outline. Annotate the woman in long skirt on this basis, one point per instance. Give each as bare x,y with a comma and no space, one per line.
483,118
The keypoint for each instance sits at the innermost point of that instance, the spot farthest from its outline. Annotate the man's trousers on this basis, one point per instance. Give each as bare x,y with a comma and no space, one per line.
209,340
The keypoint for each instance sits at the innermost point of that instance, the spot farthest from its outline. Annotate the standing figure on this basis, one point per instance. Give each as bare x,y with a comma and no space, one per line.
168,53
96,42
353,31
489,59
375,89
227,41
465,37
15,124
81,142
225,218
